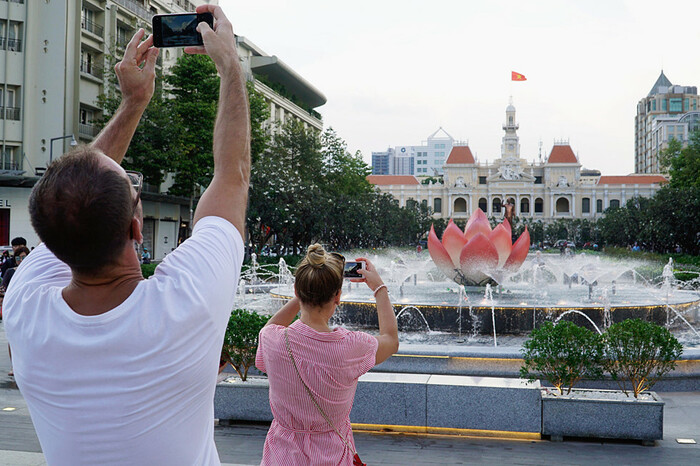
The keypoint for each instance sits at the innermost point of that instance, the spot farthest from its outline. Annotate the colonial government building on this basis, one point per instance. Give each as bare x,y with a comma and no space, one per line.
556,188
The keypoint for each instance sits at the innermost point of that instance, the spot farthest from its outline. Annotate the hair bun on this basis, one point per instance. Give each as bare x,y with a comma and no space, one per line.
316,255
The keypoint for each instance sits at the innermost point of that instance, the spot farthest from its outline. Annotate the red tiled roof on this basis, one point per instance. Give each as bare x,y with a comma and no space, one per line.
632,179
392,179
460,154
562,154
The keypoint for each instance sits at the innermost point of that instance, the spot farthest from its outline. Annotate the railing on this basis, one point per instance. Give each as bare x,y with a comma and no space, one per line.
91,69
123,41
10,113
13,45
87,130
92,27
16,1
11,166
135,8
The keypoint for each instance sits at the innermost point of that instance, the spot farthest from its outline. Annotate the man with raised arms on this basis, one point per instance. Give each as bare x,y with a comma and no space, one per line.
116,369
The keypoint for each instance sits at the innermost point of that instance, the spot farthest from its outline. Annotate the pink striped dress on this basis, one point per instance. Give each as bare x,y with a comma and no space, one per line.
330,364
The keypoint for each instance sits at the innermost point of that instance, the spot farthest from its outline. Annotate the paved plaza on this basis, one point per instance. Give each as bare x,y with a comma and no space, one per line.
243,443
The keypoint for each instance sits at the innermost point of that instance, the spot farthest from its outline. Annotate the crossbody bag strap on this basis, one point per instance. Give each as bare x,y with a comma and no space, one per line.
311,395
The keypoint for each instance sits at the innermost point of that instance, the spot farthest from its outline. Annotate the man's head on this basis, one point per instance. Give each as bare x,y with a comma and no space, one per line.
17,243
83,208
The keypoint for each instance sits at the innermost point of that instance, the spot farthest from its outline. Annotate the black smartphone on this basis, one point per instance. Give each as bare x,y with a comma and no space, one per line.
351,269
179,29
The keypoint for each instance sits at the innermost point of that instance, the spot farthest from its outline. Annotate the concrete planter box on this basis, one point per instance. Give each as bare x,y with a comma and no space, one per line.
243,401
603,414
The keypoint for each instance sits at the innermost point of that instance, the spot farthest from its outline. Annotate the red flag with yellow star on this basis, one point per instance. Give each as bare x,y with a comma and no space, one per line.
517,76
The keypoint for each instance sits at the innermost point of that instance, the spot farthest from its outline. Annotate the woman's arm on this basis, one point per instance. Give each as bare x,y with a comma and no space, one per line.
388,330
286,315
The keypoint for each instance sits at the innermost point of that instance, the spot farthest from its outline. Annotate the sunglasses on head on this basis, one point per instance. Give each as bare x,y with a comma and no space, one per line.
136,180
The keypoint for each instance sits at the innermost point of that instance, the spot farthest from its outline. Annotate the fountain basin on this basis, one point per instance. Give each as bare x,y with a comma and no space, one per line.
422,308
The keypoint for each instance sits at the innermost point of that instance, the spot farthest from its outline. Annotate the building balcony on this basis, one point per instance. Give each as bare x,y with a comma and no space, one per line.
10,113
10,166
12,45
135,8
92,27
91,69
87,130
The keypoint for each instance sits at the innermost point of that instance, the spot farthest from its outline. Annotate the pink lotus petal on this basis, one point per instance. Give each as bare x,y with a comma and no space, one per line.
500,237
478,214
478,254
453,241
519,252
440,256
478,223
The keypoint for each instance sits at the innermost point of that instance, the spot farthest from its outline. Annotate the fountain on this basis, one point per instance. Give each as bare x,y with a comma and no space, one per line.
518,292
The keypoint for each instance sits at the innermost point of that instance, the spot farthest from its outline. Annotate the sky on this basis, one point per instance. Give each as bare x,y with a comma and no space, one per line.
395,71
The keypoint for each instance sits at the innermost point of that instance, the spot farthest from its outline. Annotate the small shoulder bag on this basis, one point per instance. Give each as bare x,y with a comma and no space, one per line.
356,458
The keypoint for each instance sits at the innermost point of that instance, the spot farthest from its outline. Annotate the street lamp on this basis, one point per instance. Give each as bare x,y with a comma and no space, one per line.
73,143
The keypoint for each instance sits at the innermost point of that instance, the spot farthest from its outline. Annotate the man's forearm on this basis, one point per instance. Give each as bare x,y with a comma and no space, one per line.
232,129
114,139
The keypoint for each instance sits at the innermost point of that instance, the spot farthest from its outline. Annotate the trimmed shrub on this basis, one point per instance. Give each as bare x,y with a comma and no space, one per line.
639,353
562,354
241,340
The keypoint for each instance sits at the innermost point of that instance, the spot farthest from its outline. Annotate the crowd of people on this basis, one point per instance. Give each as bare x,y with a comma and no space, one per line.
116,369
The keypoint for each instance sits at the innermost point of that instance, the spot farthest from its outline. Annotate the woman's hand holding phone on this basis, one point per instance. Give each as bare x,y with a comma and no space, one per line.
369,274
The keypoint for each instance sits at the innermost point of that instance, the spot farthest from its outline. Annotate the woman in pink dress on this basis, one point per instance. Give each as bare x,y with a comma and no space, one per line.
328,361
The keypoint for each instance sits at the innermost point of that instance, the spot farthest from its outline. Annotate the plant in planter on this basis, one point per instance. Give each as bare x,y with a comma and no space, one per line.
562,354
639,353
241,340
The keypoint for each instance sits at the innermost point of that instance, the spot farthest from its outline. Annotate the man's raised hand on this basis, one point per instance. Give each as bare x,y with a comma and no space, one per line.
137,70
219,43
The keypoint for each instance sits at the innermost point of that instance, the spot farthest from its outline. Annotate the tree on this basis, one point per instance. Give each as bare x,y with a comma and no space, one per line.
155,146
195,88
259,114
683,163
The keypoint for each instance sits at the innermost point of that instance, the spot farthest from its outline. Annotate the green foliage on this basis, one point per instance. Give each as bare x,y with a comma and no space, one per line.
683,163
259,113
148,269
562,354
241,340
308,187
195,87
639,353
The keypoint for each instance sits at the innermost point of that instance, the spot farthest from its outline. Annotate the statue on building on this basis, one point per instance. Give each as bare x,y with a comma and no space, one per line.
563,183
460,183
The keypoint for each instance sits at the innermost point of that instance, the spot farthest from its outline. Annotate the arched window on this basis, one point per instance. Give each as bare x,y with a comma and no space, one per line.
614,203
510,120
424,202
562,205
496,206
460,205
525,205
586,205
599,206
437,205
539,205
484,204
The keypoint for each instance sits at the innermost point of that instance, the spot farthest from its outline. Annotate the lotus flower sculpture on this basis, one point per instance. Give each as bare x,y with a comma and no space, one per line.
478,255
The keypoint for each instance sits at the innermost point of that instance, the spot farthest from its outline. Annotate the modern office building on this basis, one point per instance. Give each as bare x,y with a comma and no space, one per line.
382,162
55,58
426,159
556,188
668,111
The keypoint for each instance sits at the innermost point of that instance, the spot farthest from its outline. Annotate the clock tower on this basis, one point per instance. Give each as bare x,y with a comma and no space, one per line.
510,147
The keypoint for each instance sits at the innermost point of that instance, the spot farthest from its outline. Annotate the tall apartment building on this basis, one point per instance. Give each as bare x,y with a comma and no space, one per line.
53,57
667,112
